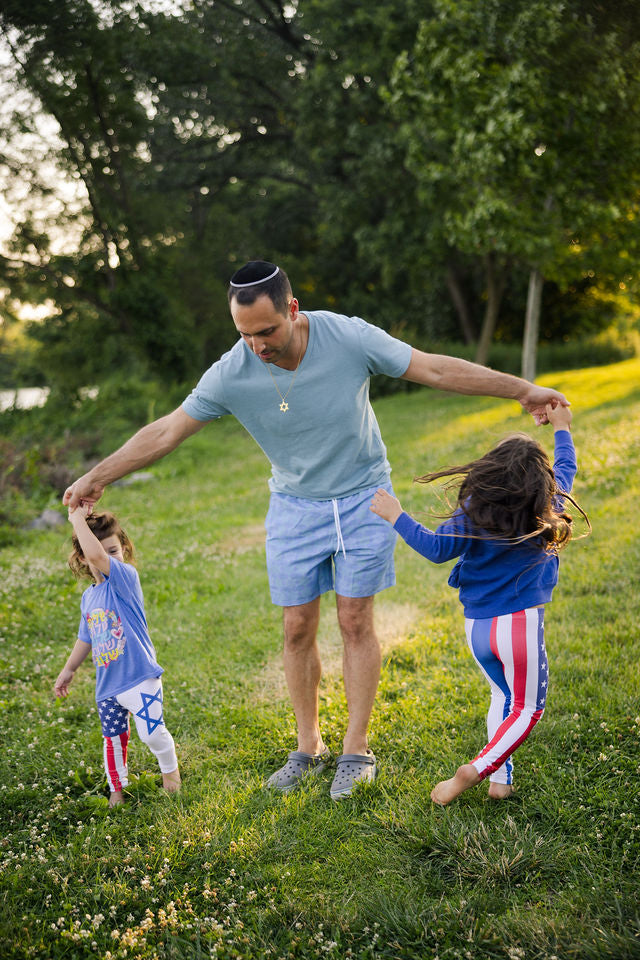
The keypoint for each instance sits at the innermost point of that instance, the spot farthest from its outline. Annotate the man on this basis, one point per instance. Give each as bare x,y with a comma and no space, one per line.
299,383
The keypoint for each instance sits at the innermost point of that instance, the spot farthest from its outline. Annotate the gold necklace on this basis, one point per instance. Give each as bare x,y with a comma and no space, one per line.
284,406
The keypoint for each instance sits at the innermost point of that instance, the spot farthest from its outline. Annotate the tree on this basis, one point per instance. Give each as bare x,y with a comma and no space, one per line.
171,125
374,252
521,127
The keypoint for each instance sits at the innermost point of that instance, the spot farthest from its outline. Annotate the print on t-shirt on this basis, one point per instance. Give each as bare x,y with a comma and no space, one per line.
107,636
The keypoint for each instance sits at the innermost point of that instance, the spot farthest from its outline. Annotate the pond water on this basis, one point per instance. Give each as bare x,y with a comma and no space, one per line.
24,398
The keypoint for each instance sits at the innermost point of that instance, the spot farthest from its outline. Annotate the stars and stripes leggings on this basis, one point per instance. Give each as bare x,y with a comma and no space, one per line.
144,701
511,654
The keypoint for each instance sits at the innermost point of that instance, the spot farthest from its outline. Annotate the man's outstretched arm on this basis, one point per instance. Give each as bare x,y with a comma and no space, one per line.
144,447
461,376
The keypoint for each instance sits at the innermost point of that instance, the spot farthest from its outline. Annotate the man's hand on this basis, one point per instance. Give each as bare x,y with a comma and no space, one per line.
386,506
535,400
84,492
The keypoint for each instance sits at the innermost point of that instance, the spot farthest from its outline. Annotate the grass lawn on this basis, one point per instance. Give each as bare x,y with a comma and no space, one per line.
226,870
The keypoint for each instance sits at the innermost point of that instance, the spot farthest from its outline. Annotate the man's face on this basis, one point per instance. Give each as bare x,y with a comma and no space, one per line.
268,333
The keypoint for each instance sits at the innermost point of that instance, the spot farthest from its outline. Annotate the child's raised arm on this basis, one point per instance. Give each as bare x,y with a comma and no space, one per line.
92,550
66,675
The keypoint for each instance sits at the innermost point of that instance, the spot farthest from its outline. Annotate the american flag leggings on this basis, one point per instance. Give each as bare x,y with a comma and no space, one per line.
144,702
511,654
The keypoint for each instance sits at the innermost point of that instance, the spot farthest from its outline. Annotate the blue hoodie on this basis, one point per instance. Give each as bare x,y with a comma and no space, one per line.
494,577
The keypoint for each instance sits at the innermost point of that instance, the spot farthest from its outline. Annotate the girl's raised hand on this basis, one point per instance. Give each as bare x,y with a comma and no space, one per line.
82,510
558,416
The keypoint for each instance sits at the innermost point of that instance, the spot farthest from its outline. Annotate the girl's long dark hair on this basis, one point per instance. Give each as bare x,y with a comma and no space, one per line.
511,494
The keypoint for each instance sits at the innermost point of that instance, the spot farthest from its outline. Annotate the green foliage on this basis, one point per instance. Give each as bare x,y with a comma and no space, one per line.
149,118
519,127
227,869
407,162
44,449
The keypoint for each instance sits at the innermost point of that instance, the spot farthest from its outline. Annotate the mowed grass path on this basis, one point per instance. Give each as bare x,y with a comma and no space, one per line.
226,870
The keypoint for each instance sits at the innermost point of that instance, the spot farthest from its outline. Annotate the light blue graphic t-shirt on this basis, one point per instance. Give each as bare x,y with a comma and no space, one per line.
328,443
113,621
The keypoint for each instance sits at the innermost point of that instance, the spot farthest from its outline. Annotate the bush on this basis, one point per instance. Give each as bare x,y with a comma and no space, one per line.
45,448
604,348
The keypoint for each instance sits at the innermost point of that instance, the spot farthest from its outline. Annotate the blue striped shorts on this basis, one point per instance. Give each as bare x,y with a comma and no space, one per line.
318,545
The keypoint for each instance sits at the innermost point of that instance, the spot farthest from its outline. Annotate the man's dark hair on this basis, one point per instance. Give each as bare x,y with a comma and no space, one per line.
260,278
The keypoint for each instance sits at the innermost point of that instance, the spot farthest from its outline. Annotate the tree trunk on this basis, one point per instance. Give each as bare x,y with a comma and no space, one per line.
496,282
460,303
532,325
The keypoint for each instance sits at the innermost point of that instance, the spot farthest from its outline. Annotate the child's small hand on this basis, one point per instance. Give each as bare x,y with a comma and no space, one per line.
61,686
558,416
82,510
386,506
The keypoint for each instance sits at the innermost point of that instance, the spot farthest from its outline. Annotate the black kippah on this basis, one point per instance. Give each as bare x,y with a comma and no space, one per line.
256,271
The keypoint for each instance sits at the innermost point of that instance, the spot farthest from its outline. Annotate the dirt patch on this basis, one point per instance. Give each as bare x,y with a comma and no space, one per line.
249,538
394,622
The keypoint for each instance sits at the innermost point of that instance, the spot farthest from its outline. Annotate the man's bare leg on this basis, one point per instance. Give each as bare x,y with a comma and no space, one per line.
303,669
361,667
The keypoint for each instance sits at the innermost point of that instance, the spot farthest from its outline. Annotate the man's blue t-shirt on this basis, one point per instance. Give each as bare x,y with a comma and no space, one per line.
113,621
328,443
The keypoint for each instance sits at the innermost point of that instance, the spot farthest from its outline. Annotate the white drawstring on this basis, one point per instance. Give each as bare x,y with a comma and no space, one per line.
336,517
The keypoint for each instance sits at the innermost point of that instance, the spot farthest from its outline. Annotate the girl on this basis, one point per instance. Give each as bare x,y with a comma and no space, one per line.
507,529
114,627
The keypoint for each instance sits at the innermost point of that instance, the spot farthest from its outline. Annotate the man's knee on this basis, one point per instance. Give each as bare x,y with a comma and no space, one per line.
300,626
355,619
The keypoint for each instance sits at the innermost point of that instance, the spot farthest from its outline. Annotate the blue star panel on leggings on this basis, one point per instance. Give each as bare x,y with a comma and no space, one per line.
113,717
147,701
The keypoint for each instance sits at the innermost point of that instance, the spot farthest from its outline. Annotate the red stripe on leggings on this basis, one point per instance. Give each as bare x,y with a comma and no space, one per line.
111,766
124,740
519,653
514,746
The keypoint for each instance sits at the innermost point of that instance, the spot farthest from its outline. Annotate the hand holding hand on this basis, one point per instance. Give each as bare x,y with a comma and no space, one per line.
84,491
83,510
536,400
386,506
558,416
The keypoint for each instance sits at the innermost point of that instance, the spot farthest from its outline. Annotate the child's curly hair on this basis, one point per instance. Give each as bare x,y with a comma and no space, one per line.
102,525
511,494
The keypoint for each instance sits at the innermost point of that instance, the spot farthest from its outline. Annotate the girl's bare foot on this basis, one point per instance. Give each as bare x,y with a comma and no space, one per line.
447,790
500,791
116,798
171,781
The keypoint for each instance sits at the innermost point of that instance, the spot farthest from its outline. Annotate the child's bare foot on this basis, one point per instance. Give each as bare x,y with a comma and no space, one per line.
447,790
500,791
116,798
171,781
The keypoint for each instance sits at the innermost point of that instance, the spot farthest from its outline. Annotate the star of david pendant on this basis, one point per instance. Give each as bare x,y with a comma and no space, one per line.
284,406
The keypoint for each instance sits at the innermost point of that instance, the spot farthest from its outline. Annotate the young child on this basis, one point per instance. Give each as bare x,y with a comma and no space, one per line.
114,627
507,528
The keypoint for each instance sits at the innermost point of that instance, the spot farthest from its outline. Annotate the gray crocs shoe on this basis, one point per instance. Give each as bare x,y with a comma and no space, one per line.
352,768
298,766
